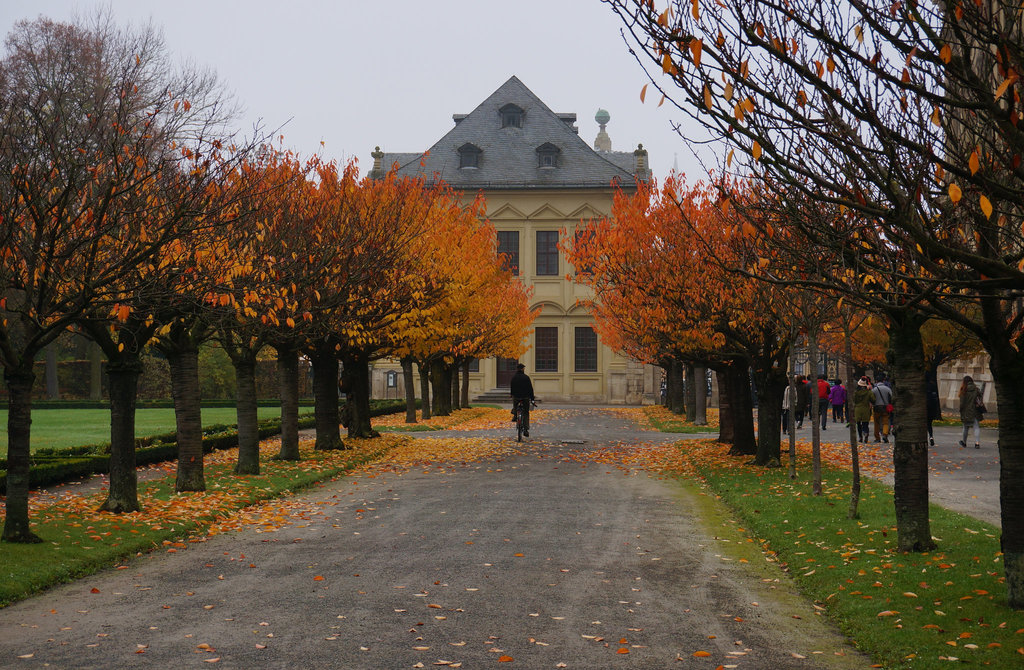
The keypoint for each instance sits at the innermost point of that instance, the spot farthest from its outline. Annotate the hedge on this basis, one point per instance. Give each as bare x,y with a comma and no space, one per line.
55,466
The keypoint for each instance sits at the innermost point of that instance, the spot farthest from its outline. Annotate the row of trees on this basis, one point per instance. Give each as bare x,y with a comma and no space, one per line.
130,214
878,152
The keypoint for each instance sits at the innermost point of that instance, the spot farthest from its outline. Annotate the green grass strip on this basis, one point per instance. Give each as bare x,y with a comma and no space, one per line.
907,610
79,541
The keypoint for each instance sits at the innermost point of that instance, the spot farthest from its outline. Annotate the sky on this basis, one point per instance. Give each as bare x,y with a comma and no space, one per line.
354,74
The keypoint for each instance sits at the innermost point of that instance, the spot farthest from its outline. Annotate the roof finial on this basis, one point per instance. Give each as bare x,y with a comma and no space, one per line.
378,168
640,161
603,142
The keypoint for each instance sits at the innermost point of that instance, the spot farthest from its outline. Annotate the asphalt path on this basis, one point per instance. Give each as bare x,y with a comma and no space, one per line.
543,558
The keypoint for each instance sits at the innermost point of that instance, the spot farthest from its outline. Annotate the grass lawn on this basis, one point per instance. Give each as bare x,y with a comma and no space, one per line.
665,421
78,540
908,610
59,428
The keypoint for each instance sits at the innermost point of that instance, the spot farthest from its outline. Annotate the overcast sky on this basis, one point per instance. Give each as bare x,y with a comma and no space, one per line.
359,73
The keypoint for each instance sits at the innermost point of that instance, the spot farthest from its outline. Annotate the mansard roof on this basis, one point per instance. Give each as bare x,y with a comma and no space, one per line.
508,158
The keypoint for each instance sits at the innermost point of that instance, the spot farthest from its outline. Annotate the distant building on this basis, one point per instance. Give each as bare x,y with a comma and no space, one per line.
538,177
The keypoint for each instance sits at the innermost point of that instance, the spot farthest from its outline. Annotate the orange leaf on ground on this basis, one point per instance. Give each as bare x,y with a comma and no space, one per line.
505,659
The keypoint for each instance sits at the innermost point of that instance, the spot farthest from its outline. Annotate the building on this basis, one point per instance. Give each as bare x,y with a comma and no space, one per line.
538,178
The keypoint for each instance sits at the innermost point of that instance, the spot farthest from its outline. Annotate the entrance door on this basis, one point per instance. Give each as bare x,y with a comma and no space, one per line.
506,368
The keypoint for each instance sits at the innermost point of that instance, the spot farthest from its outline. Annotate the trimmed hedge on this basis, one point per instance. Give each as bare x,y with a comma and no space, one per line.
55,466
145,404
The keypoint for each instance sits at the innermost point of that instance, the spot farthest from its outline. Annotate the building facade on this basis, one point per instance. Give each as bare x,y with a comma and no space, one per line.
540,180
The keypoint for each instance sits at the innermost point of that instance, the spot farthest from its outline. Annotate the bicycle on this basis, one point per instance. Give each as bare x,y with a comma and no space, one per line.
517,414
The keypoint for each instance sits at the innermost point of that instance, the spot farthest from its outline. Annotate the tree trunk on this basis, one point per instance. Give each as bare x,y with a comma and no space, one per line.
325,399
741,408
19,445
691,393
183,359
123,381
95,372
453,372
408,381
910,448
812,354
793,400
441,380
424,367
247,413
771,384
726,429
288,372
853,512
700,387
52,381
674,396
357,381
465,385
1007,366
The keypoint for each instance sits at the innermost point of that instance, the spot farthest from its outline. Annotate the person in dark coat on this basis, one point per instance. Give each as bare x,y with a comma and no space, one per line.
521,389
969,410
803,400
932,400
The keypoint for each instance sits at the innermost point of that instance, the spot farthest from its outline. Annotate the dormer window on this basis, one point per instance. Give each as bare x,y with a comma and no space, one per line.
547,155
511,116
469,156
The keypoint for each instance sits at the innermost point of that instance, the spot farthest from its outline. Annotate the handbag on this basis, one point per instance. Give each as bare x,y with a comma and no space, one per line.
979,405
888,408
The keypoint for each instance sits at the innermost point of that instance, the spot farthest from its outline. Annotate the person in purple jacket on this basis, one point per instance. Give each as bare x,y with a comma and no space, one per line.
837,396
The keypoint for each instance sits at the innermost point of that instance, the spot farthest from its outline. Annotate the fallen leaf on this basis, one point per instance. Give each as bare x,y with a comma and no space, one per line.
702,654
505,659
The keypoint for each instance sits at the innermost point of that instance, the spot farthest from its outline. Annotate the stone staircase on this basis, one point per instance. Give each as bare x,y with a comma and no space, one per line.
496,396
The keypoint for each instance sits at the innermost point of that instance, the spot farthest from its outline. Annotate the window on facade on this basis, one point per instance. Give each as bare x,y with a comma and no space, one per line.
586,350
547,252
583,235
508,249
545,346
474,365
469,156
547,155
511,116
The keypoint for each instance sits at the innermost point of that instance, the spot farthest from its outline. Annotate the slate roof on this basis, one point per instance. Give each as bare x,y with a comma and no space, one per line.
509,155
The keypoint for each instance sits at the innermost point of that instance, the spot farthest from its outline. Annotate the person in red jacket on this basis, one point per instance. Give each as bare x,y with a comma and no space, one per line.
823,390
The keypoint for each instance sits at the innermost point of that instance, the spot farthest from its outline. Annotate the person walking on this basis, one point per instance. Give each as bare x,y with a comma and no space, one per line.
932,400
837,397
803,400
785,410
881,408
970,404
521,389
823,392
862,403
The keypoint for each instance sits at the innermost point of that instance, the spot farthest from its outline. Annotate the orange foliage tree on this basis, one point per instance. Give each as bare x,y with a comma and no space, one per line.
106,153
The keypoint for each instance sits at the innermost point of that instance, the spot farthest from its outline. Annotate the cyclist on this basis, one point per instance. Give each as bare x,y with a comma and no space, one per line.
521,389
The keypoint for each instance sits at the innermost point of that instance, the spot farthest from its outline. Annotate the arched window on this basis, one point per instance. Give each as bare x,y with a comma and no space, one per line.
547,155
511,116
469,156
